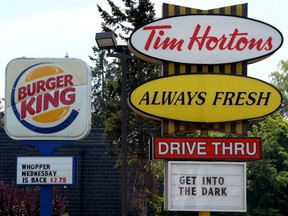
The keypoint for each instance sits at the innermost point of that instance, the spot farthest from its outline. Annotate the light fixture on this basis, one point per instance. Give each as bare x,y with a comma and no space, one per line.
106,40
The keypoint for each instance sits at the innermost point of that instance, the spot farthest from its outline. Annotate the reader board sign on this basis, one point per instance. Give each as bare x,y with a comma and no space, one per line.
200,39
47,99
233,148
205,98
205,186
46,171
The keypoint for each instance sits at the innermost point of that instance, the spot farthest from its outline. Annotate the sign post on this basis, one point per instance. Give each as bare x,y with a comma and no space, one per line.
48,101
204,133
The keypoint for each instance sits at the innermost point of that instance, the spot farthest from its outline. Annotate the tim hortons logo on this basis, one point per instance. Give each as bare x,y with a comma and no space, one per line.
198,39
235,41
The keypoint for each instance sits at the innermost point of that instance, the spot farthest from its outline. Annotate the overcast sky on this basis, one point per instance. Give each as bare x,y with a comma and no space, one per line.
42,28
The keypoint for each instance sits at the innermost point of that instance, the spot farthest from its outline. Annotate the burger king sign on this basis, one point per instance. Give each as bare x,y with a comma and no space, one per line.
47,99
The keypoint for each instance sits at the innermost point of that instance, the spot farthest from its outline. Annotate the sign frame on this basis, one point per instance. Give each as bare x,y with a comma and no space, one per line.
242,202
47,99
44,161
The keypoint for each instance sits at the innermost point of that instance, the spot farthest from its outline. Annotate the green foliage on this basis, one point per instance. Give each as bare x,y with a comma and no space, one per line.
267,185
125,20
280,80
1,112
267,179
1,104
105,87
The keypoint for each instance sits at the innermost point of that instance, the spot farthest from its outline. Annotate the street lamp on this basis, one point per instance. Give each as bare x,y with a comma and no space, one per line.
106,40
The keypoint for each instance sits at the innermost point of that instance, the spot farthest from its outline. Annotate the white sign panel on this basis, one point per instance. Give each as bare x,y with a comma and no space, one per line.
205,186
47,99
46,171
201,39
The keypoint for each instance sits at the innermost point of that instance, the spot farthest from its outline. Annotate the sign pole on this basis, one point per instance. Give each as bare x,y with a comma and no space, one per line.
204,133
204,213
46,191
45,200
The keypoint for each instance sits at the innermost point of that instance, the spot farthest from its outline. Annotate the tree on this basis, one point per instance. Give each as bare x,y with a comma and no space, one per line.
280,80
99,87
267,179
1,104
267,184
142,173
1,112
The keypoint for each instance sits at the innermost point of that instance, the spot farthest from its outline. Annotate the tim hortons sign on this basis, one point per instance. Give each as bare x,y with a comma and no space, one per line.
205,98
205,39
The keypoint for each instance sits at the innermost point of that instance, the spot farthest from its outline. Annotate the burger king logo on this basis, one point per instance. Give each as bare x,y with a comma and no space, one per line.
47,99
44,98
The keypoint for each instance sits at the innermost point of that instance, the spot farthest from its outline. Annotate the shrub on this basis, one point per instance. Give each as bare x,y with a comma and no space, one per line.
26,201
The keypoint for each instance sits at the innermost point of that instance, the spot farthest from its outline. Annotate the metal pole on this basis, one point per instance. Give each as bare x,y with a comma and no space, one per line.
204,133
124,119
46,191
46,200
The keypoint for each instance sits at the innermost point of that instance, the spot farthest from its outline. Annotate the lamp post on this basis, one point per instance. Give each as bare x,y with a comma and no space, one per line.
106,40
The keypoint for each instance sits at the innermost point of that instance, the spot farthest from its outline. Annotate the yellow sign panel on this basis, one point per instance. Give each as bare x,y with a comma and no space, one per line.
206,98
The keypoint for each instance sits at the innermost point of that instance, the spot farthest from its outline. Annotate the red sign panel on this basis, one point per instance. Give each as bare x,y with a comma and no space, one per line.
236,148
